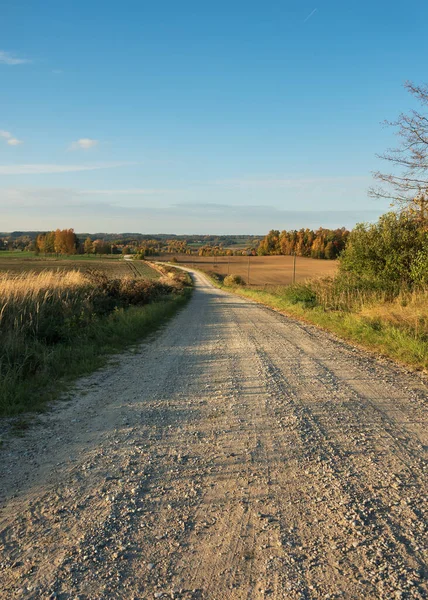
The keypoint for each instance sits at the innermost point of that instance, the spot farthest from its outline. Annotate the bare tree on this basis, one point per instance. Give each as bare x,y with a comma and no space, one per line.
407,185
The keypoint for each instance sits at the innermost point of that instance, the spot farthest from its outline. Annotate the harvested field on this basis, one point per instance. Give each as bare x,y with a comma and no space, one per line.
264,270
114,267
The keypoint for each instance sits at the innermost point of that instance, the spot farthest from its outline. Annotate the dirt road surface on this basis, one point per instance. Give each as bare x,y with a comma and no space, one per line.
237,455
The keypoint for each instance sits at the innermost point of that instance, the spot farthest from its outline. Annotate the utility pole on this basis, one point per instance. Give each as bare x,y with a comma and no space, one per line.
228,264
248,276
294,268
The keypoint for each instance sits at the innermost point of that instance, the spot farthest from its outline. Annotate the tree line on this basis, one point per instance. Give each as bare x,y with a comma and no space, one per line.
65,241
322,243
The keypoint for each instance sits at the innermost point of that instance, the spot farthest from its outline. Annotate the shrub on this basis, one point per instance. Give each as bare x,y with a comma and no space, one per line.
301,293
232,280
391,251
419,268
217,277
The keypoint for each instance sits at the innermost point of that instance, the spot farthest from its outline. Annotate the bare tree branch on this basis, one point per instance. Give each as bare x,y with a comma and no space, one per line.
408,189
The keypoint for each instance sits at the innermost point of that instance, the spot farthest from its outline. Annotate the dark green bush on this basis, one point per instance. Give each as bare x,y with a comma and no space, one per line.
393,251
301,293
217,277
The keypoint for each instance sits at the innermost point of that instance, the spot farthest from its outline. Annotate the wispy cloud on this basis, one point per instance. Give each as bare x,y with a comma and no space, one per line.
43,169
7,58
12,141
272,183
310,15
47,208
83,144
130,192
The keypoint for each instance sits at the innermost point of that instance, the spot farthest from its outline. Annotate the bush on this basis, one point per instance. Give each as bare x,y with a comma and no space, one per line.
217,277
392,251
232,280
301,293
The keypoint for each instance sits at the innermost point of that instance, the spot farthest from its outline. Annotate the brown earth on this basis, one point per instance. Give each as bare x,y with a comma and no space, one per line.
114,267
264,270
239,454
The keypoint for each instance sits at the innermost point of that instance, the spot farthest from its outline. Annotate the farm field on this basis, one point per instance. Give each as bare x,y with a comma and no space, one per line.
114,267
264,270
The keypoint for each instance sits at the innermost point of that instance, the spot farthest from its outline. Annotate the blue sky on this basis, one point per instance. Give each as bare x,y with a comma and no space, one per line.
227,117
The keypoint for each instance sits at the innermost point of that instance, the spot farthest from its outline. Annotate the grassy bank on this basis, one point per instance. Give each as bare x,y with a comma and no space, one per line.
55,327
393,323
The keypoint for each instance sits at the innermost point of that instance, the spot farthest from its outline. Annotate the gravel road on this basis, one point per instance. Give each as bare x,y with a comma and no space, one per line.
238,454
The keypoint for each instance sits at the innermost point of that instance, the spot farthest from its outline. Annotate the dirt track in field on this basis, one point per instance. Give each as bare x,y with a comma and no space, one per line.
237,455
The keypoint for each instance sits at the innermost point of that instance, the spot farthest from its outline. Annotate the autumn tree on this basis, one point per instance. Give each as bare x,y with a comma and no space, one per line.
270,244
101,247
45,242
88,246
407,183
323,243
66,241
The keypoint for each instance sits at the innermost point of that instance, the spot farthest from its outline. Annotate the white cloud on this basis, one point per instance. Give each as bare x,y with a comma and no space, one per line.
7,58
12,141
38,169
83,144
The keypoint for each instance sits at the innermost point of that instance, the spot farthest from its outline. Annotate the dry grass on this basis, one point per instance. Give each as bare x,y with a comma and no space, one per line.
392,323
31,283
29,299
408,311
57,323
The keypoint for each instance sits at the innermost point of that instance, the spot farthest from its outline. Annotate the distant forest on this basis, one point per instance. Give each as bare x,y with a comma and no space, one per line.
322,243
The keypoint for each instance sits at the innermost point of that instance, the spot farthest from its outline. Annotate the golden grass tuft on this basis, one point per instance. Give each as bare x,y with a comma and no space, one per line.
18,285
408,311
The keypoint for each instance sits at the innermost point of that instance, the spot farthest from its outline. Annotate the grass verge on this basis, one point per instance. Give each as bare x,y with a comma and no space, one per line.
396,328
80,352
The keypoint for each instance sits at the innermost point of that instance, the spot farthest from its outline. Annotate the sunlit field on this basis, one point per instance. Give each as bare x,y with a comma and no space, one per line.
263,270
112,266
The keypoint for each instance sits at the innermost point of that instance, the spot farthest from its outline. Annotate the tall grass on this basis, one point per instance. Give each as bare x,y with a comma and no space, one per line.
392,320
54,324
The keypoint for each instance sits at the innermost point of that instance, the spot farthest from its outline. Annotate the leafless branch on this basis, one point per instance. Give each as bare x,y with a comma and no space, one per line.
407,187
